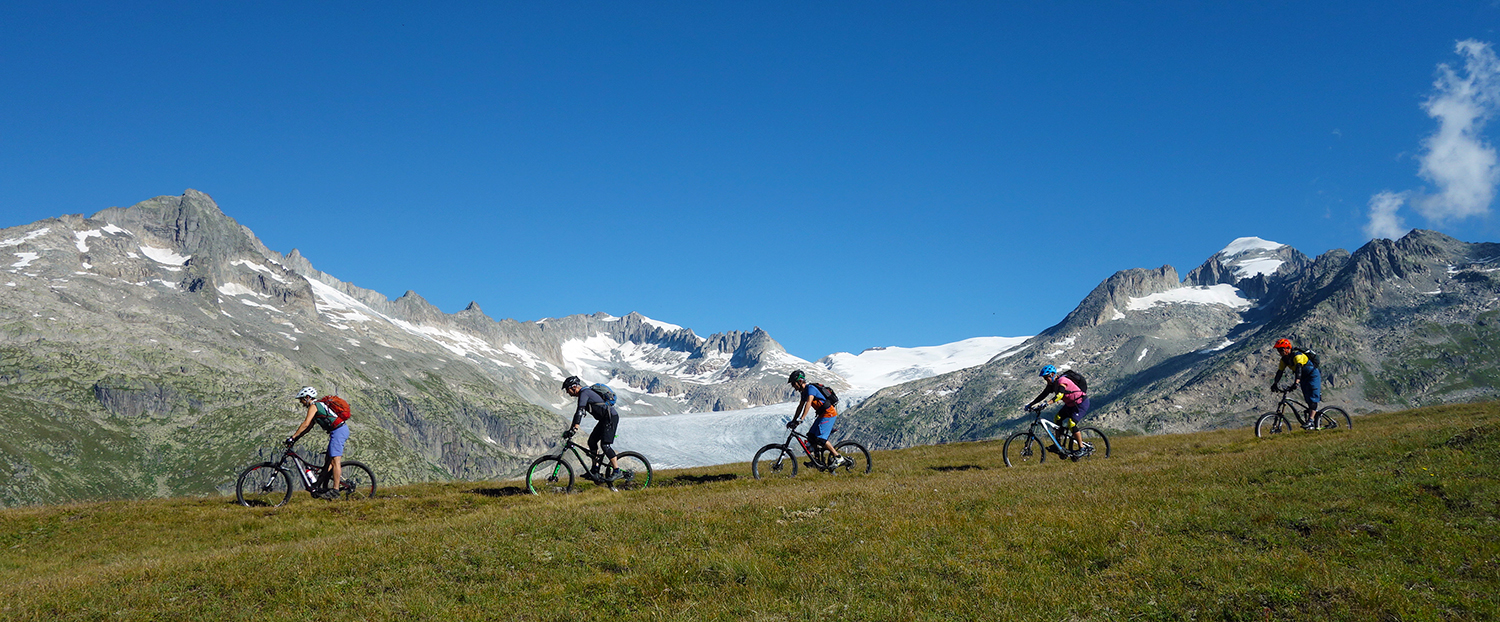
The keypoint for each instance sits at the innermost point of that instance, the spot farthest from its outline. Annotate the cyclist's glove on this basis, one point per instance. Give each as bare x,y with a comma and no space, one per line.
568,433
792,425
289,441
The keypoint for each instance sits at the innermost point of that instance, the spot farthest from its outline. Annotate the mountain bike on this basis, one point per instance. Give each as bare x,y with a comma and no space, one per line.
552,473
1327,417
269,484
777,459
1025,448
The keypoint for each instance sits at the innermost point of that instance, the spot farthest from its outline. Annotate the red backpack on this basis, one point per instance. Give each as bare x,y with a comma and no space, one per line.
339,407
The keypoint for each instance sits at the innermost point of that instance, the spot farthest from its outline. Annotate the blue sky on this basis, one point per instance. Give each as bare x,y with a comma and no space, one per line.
843,175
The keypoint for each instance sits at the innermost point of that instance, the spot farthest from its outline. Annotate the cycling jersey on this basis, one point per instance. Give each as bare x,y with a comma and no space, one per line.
818,401
325,417
1064,386
590,402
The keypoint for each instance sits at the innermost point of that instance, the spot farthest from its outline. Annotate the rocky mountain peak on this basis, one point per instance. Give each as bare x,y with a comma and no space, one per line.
1113,295
1251,264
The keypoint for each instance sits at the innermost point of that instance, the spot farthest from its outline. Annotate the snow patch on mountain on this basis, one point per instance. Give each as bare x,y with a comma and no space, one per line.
81,239
165,256
235,289
662,325
1252,256
1222,294
25,238
877,368
25,260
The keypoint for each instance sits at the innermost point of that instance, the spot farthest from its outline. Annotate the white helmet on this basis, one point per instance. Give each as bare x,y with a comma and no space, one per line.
307,392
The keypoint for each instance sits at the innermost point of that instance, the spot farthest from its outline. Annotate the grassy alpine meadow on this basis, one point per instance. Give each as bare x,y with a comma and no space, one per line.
1393,520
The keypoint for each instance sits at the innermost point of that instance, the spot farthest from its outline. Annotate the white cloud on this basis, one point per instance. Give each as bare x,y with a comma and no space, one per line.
1384,222
1456,160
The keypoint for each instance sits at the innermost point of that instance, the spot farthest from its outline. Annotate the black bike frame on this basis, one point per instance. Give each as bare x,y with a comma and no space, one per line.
579,451
802,440
304,469
1299,409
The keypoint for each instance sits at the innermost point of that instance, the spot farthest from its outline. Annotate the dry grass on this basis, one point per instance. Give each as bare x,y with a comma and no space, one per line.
1396,519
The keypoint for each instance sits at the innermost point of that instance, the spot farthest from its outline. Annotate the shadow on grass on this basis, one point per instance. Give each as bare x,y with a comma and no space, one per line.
961,467
507,491
693,480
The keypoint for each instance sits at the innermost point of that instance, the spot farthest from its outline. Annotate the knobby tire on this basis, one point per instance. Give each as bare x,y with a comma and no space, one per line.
1333,417
774,461
1023,449
263,485
639,471
856,452
549,474
1271,424
356,481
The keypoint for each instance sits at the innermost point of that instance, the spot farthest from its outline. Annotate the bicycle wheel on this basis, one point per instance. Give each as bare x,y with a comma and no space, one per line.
356,481
549,474
1332,417
774,461
1023,449
635,471
263,485
1271,424
1095,444
856,452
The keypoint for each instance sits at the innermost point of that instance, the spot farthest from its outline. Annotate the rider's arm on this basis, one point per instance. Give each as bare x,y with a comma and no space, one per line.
1280,369
307,422
1301,360
1041,396
801,408
583,404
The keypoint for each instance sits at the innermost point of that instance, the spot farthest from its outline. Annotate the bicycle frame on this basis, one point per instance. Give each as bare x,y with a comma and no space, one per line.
305,470
813,453
578,451
1046,425
1299,409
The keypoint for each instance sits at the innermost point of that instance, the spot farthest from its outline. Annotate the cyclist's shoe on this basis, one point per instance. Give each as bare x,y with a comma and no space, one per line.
615,476
843,461
326,494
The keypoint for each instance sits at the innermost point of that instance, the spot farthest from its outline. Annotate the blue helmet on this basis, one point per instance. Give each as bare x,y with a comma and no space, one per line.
1048,370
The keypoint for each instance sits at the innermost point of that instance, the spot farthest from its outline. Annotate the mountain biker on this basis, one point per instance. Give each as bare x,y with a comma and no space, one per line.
1075,400
603,436
1304,374
814,400
338,434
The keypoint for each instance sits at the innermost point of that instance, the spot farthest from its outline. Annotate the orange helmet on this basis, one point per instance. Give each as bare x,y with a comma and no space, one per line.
1283,343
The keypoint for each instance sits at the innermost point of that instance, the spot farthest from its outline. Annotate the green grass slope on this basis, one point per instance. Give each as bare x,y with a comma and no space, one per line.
1393,520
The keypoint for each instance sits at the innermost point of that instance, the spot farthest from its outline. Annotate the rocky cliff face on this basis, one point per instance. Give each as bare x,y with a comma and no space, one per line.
1398,324
160,344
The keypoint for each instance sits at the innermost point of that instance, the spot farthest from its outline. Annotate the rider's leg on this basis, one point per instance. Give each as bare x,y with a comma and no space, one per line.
1312,391
601,442
823,428
333,472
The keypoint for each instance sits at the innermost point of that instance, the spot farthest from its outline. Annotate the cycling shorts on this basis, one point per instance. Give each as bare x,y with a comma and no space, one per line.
1312,385
336,440
823,425
1073,413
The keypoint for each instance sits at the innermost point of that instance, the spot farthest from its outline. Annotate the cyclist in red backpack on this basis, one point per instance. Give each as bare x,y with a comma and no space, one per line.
331,413
813,400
